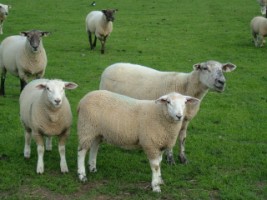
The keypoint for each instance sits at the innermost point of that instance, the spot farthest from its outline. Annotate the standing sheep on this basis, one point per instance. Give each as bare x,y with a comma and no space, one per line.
23,56
145,83
45,111
3,15
258,30
99,23
129,123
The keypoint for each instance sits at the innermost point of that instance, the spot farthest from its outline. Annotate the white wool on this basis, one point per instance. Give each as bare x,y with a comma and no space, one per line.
129,123
45,111
146,83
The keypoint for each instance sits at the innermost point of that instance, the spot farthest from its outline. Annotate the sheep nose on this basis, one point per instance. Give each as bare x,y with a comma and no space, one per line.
179,117
221,82
57,101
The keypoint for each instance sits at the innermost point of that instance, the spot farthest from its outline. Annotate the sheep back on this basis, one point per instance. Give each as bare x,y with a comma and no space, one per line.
124,122
142,82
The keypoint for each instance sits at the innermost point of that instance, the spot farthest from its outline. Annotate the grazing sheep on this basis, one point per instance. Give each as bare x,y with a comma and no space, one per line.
145,83
3,15
23,56
99,23
263,4
258,30
129,123
45,111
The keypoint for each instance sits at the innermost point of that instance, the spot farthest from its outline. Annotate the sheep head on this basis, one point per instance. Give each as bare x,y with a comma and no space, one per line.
34,38
176,104
211,74
109,13
54,91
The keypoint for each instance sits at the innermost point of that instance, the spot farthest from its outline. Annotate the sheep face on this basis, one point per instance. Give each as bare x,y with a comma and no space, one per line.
34,38
211,74
176,104
109,13
3,10
54,90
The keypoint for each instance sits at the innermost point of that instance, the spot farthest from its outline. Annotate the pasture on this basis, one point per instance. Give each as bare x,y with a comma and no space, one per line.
227,141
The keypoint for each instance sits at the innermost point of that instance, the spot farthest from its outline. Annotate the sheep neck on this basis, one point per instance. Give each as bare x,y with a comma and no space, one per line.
191,85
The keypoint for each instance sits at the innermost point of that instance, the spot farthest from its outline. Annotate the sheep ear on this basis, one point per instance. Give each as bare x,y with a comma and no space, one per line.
115,10
228,67
70,85
24,33
45,33
197,66
9,6
41,86
191,100
162,100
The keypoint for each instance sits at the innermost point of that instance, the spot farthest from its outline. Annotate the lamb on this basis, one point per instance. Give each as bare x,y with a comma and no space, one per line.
3,15
129,123
258,30
23,56
45,111
99,23
263,4
145,83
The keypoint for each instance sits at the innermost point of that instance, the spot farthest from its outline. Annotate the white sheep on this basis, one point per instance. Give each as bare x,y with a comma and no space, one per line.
129,123
3,15
23,56
258,30
99,23
263,4
145,83
45,111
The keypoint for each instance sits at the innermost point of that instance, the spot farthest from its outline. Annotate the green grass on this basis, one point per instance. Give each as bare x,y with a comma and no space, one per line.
227,142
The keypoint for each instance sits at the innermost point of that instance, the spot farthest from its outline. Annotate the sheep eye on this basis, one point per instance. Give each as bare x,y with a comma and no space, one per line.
48,88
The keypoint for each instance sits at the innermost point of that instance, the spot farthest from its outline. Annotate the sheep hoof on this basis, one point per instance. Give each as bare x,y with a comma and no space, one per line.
64,170
183,159
170,160
93,170
156,188
82,178
102,51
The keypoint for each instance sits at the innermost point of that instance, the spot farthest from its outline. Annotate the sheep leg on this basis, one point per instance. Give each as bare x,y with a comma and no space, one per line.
156,173
90,40
3,78
93,154
103,42
169,157
1,27
182,137
27,146
62,152
48,143
40,150
81,167
94,44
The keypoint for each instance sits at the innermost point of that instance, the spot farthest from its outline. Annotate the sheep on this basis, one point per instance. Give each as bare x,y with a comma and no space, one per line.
263,4
258,30
45,111
23,56
3,15
145,83
129,123
99,23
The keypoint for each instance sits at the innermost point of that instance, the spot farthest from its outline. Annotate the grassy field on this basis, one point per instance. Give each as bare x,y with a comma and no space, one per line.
227,142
